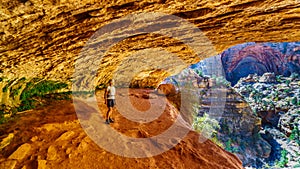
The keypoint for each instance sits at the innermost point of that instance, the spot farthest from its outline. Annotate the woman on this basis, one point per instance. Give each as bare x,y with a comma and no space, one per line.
109,96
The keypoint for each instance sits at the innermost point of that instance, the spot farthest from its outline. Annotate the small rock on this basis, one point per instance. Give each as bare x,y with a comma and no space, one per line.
52,153
21,152
66,136
268,78
42,164
69,150
9,164
251,78
35,138
6,141
83,146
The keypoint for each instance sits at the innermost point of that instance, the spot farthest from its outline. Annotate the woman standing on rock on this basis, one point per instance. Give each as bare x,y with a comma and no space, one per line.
109,97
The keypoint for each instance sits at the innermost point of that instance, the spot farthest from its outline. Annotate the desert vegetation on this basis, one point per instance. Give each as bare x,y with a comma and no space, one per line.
21,94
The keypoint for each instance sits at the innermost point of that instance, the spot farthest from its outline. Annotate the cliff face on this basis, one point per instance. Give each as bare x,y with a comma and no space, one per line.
276,100
236,126
259,58
43,38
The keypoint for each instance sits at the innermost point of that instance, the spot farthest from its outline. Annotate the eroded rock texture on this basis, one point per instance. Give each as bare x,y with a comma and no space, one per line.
259,58
43,38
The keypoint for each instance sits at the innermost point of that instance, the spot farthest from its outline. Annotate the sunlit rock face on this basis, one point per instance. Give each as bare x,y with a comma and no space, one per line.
44,38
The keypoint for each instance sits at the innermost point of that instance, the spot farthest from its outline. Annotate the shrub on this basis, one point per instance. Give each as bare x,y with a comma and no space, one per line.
24,94
294,101
207,126
295,135
283,159
287,82
38,88
228,145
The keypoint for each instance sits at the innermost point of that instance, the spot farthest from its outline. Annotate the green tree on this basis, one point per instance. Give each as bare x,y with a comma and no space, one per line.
205,125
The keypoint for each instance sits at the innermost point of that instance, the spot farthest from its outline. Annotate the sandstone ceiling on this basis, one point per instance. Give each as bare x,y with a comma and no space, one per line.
43,38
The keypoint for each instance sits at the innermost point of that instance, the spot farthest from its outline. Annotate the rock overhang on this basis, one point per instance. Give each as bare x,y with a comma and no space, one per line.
44,39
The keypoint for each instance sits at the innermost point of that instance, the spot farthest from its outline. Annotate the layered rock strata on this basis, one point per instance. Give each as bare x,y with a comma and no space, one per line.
44,38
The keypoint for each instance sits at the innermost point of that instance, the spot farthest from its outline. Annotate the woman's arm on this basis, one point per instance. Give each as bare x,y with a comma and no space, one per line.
105,95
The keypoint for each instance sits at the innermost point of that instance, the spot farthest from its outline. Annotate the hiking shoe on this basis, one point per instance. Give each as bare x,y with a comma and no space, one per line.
111,120
106,121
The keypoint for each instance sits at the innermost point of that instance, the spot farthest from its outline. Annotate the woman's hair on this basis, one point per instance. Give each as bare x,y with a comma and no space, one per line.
110,81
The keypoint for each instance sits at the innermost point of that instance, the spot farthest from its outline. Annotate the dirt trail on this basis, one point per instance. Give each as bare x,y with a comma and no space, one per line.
52,137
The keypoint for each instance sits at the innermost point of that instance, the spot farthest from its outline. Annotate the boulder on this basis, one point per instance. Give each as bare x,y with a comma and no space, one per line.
21,152
268,78
166,89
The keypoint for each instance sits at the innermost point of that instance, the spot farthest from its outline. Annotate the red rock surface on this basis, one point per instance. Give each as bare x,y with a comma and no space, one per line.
56,140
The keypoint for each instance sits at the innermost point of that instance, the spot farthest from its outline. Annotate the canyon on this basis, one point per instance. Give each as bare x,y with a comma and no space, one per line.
58,41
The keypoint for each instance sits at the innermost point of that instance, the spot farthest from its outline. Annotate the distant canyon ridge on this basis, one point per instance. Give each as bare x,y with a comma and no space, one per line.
259,58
